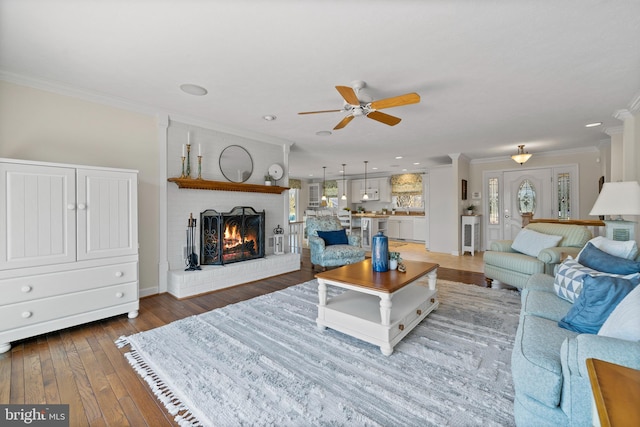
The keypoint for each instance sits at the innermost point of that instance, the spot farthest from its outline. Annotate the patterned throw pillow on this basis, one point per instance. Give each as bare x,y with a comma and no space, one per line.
570,275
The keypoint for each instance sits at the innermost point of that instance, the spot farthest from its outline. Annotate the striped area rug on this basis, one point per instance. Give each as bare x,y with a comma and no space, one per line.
264,362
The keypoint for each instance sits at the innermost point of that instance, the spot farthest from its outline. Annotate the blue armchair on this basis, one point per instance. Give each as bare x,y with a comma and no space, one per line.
334,255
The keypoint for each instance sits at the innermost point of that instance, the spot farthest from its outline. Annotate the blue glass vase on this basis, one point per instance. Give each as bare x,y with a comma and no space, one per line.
380,252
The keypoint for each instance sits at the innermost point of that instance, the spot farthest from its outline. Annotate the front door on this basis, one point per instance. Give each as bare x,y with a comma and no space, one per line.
525,191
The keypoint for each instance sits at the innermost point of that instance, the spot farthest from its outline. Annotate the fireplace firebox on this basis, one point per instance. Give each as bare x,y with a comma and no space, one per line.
233,236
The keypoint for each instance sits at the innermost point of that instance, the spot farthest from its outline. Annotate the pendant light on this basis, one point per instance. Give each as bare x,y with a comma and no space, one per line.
324,176
522,156
344,194
365,196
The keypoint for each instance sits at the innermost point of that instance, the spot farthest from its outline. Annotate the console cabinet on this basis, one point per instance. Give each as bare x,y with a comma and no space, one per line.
68,246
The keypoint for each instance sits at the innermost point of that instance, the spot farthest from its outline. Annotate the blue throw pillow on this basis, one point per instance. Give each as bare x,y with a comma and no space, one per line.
338,237
599,297
593,257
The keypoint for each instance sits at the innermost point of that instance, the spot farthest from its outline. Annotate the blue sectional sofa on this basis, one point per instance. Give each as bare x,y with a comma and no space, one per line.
548,362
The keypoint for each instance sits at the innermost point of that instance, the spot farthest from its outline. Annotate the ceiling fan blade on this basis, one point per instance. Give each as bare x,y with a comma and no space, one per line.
348,94
396,101
322,111
343,122
384,118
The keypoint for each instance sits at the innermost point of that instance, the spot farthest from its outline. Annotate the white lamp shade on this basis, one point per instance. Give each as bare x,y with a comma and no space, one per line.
618,198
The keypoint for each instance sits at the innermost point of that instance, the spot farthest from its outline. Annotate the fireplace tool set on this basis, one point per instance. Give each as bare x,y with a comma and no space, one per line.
192,258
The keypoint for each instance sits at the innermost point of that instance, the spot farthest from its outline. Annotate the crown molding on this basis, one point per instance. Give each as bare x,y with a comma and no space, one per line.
615,130
634,106
569,151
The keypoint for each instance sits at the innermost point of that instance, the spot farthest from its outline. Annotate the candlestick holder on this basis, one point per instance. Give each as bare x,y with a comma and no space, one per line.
188,171
199,167
182,175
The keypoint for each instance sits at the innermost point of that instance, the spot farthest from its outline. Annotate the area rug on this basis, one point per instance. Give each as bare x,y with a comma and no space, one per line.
264,362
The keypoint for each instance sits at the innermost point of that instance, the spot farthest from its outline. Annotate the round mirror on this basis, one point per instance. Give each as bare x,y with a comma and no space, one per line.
526,197
236,163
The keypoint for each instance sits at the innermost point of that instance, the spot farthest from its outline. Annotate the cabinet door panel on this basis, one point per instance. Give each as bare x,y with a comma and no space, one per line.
107,214
37,221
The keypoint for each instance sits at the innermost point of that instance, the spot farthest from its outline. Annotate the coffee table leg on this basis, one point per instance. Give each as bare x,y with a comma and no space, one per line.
385,310
322,299
432,276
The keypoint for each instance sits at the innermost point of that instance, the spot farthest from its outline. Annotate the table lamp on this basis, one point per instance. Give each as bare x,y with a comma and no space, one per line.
617,199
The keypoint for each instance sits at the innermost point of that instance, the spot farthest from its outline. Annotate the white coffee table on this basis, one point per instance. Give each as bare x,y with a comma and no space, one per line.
379,308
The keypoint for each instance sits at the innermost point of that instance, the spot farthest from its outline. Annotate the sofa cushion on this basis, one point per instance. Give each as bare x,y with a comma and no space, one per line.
597,259
599,297
514,261
535,361
531,242
570,274
575,236
624,321
624,249
337,237
544,304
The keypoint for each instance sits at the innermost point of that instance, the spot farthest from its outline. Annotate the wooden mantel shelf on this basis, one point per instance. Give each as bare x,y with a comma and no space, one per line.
202,184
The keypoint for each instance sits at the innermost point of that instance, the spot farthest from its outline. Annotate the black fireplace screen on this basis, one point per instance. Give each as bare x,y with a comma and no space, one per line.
229,237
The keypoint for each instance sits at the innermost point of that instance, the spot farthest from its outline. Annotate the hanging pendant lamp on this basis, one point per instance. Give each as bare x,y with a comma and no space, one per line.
365,195
344,189
522,156
324,194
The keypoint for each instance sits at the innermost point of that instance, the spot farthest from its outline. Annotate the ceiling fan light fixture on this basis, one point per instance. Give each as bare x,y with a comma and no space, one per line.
521,156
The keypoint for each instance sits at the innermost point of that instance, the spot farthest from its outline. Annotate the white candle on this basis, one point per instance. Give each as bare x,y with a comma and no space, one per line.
183,154
199,149
189,138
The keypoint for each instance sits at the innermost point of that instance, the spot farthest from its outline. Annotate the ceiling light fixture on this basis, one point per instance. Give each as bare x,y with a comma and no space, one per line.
323,133
192,89
344,194
365,196
522,156
269,117
324,176
592,125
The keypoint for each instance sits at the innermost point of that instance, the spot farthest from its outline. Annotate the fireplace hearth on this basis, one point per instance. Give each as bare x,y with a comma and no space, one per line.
234,236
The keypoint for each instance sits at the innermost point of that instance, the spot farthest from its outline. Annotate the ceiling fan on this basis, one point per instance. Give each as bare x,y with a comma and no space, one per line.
357,107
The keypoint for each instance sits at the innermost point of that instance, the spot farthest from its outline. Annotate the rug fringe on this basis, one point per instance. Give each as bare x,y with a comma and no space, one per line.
182,414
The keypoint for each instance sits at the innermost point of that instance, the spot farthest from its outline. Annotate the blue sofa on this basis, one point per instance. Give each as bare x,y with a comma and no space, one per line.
548,362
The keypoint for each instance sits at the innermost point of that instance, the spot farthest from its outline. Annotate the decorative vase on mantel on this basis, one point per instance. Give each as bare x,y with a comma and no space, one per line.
380,252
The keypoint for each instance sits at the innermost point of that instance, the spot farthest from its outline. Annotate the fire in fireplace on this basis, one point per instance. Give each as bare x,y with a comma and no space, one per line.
229,237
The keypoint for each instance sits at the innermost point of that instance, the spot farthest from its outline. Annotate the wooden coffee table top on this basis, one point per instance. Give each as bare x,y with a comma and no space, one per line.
362,274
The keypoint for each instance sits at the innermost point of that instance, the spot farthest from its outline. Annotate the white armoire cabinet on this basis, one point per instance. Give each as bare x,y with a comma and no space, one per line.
68,246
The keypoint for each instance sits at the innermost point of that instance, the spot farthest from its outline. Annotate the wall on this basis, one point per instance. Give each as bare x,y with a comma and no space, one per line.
442,216
183,202
45,126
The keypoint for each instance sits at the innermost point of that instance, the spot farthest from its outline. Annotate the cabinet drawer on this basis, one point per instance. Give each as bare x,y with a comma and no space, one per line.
52,284
46,309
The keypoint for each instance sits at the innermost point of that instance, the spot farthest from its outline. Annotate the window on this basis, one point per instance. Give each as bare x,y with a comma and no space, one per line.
494,201
293,204
564,195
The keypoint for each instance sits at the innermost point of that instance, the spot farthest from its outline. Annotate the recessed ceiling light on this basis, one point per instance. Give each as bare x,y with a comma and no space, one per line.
592,125
323,133
375,169
192,89
398,157
404,170
269,117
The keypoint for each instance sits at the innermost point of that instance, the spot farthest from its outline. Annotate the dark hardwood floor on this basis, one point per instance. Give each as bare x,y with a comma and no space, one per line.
82,367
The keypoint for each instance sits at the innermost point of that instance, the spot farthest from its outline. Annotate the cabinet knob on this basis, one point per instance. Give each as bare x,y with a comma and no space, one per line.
119,294
71,206
82,206
26,288
119,274
26,314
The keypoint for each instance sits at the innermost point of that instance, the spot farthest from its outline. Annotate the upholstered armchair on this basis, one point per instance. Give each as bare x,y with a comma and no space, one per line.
513,261
329,244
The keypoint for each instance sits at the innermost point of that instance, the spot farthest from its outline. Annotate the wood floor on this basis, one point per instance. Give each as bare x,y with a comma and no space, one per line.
82,366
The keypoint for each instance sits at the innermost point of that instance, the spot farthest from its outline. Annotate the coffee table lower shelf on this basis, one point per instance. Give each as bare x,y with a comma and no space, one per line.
359,315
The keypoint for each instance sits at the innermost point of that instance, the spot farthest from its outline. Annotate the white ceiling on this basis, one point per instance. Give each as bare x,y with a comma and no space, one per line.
491,74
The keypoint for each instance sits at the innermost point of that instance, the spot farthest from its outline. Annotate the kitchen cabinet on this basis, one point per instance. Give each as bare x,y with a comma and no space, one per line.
407,228
370,226
372,189
314,195
70,246
384,189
